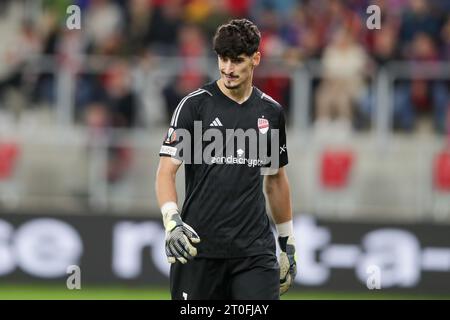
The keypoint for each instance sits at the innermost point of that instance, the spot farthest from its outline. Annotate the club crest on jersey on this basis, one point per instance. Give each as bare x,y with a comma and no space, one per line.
171,136
263,125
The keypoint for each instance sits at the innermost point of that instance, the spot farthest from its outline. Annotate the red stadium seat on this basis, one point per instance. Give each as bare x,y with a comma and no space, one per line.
336,166
9,152
441,171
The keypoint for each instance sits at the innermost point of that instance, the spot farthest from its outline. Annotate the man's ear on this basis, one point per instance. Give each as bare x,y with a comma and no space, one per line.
256,58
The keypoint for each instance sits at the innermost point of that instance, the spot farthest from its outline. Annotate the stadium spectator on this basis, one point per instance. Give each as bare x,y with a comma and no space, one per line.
99,120
445,37
166,20
104,22
301,33
138,17
179,87
282,9
419,94
119,97
383,49
343,63
417,18
275,83
335,16
15,80
191,43
219,12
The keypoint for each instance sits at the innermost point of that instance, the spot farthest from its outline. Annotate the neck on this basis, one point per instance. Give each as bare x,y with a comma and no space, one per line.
240,94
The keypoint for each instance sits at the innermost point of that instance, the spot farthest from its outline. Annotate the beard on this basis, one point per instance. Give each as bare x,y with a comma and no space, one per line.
231,86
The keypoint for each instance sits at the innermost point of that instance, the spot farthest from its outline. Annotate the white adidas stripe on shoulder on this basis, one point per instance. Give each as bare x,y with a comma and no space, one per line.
177,111
179,105
265,96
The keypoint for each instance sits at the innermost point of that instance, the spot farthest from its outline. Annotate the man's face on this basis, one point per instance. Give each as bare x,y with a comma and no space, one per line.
235,72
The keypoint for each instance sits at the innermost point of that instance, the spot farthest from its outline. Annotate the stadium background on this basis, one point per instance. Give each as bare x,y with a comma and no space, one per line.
83,113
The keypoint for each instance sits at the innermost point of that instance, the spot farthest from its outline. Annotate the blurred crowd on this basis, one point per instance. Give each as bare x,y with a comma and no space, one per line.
129,35
332,32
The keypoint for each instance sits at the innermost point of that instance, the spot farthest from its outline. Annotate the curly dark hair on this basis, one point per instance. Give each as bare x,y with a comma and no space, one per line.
235,38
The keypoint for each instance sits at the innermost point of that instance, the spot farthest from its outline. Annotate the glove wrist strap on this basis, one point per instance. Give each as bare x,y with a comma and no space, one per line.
285,229
168,210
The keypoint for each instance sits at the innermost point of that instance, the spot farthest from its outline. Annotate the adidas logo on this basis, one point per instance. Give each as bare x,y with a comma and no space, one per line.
216,123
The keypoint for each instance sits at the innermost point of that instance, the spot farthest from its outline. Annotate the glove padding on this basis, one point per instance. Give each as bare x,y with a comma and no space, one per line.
288,265
179,239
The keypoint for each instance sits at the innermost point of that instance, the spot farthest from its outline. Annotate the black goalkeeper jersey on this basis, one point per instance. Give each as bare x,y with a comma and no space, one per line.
224,202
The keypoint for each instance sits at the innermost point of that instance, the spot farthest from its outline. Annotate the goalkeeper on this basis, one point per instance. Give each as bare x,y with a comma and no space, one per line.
220,244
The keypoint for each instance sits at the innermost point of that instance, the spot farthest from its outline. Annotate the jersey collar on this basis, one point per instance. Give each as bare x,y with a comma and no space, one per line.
249,99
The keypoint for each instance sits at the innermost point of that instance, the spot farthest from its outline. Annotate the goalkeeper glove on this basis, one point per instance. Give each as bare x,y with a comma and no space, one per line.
288,265
179,236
